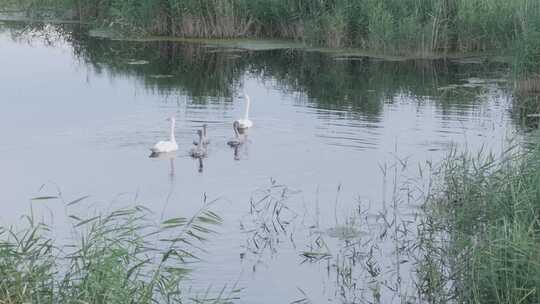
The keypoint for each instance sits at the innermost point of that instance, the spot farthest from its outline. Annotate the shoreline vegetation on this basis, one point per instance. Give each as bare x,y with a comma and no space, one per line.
483,230
411,28
123,256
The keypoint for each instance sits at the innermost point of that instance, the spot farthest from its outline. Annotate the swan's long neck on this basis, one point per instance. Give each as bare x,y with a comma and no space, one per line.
248,102
200,138
173,124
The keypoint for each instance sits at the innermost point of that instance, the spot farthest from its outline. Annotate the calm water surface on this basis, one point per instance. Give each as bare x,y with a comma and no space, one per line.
77,115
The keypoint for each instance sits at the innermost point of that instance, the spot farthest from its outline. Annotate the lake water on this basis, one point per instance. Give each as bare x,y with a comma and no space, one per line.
79,114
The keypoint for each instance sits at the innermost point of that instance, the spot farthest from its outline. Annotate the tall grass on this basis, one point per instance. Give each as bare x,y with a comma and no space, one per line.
488,213
397,26
119,257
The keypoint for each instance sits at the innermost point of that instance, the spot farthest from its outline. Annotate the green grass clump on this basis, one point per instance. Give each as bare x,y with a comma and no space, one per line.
488,213
392,26
120,257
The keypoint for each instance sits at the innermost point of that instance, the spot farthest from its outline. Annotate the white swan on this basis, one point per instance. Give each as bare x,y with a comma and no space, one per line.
199,151
205,141
167,146
236,140
245,123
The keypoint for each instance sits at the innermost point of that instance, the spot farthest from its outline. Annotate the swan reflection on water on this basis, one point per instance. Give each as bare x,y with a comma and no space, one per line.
171,156
236,154
201,165
166,155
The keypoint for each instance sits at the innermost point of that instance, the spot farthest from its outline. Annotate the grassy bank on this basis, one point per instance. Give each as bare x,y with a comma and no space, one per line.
118,257
487,216
391,26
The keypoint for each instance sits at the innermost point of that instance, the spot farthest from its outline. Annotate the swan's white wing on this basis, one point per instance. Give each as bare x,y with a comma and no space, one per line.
157,147
244,123
164,146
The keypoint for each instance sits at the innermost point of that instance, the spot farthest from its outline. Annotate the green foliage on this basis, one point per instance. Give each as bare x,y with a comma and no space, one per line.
391,26
488,211
120,257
